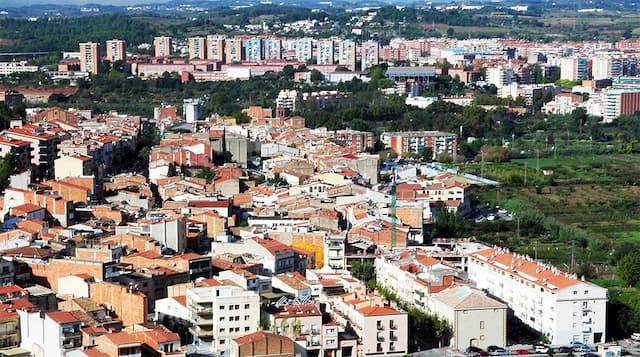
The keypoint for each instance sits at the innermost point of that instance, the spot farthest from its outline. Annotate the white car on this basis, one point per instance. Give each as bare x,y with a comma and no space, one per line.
635,336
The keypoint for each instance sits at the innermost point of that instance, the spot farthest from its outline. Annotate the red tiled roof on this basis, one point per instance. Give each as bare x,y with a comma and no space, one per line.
62,317
258,336
378,311
28,208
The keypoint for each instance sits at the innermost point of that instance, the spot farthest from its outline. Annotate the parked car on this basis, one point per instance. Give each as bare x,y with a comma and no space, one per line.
497,351
590,354
541,348
476,352
564,349
580,347
635,336
521,351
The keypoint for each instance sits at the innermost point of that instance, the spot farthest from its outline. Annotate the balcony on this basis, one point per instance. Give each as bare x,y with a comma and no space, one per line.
204,321
586,320
315,331
393,337
380,338
393,326
314,342
380,327
392,348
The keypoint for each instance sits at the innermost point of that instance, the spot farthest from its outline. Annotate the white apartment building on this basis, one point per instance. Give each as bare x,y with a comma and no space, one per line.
221,313
347,54
370,54
304,49
50,335
500,76
603,67
7,68
325,51
573,68
561,306
382,330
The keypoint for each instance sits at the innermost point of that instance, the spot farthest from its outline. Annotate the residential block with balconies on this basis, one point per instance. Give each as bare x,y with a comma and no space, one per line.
221,313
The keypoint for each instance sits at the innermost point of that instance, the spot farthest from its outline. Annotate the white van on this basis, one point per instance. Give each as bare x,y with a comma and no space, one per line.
635,336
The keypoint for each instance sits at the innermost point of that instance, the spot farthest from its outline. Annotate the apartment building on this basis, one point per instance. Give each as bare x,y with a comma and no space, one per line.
215,47
325,51
262,344
475,319
220,313
197,47
618,102
382,330
233,50
370,54
19,148
304,49
573,68
89,57
116,50
416,141
301,323
50,335
360,140
253,49
44,149
347,54
561,306
163,46
7,68
272,48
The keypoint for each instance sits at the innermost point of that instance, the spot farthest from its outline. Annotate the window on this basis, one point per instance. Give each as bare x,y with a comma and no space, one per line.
246,306
586,292
222,330
237,307
575,292
482,325
222,341
246,317
221,307
221,318
481,337
585,304
237,318
246,329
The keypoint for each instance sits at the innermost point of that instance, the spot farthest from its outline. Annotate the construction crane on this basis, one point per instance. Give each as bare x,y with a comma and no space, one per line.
393,210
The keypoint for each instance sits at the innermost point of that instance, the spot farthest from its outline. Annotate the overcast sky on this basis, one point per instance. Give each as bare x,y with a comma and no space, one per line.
77,2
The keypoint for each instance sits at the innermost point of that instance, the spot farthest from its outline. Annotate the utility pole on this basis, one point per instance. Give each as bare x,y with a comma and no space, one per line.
573,255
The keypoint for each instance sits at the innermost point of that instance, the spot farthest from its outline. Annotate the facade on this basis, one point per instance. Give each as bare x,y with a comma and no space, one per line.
20,148
360,140
233,50
7,68
262,344
370,54
573,68
382,330
89,57
272,48
417,141
500,76
215,47
325,51
347,54
44,149
561,306
163,46
606,67
116,50
253,49
221,313
475,319
197,47
619,102
52,335
73,166
304,49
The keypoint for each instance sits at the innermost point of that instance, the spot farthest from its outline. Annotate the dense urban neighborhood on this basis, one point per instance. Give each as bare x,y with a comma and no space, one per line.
347,181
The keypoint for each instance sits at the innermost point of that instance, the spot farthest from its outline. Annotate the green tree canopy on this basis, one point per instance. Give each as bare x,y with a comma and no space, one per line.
628,269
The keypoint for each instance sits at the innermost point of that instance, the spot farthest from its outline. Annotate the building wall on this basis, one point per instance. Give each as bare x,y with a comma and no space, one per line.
131,307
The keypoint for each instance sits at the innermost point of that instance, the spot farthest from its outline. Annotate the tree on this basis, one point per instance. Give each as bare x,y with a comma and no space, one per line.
207,174
628,269
447,223
171,172
8,167
363,270
316,76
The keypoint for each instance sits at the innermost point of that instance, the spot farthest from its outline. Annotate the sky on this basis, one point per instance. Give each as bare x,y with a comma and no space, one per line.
78,2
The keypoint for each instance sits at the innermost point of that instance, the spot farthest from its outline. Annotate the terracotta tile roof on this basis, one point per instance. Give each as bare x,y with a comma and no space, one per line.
378,311
161,334
259,336
181,299
27,208
12,289
62,317
95,352
525,268
84,276
122,338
